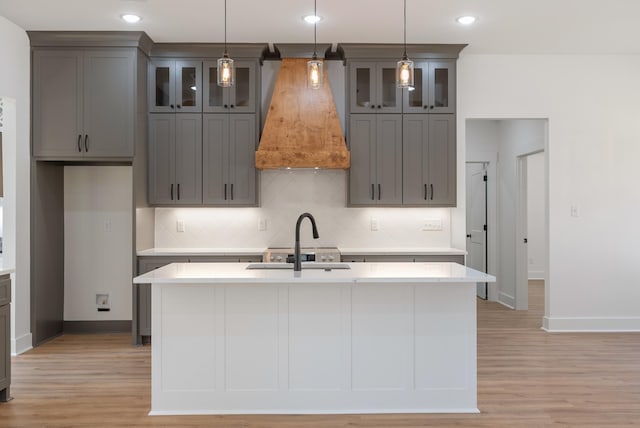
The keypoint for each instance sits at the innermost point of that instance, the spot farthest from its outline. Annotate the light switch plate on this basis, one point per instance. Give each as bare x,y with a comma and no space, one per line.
262,225
374,224
180,226
431,224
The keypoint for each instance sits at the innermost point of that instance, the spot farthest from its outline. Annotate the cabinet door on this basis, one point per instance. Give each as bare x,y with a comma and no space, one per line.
362,144
442,89
57,103
162,84
388,95
242,159
109,103
5,356
188,159
162,132
215,133
215,98
415,145
242,95
441,166
362,76
188,88
417,100
389,159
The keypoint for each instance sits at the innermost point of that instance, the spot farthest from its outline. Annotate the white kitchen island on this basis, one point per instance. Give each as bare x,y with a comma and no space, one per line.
377,338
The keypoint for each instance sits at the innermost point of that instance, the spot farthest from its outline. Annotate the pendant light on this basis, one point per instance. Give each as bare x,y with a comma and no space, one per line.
315,74
226,71
404,69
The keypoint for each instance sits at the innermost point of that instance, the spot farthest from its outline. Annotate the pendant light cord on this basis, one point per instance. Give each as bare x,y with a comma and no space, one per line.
405,28
315,27
225,27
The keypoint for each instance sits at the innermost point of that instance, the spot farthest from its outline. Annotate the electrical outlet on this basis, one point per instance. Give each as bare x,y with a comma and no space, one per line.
262,225
432,224
180,226
374,224
102,302
574,211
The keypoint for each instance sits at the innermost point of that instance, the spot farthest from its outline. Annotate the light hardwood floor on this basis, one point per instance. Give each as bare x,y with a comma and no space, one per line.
526,378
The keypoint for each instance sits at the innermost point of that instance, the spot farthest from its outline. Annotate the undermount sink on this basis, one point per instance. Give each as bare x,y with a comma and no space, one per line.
305,265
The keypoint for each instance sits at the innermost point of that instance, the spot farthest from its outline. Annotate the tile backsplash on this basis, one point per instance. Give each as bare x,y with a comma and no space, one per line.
285,194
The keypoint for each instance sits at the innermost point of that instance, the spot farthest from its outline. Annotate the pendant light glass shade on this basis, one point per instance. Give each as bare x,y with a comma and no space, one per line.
404,73
226,71
404,68
315,73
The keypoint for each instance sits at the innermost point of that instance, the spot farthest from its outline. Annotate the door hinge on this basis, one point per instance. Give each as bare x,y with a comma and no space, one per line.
484,227
485,177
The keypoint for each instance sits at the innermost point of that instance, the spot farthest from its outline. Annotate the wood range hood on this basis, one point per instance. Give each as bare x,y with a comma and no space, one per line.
302,128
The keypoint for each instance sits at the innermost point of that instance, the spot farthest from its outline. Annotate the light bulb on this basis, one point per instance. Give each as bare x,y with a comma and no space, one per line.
314,74
404,75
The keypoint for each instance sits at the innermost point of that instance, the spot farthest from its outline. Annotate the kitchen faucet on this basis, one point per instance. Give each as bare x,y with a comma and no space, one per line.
297,265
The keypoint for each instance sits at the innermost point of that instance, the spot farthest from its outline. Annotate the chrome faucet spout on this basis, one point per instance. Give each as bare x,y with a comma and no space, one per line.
297,265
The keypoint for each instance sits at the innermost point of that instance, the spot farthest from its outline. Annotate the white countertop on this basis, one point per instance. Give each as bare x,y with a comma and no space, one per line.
201,252
426,251
225,273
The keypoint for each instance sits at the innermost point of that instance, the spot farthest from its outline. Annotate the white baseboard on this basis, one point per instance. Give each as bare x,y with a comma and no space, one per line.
507,300
591,324
536,274
21,344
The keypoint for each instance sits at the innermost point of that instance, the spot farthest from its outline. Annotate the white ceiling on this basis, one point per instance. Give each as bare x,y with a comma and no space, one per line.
504,26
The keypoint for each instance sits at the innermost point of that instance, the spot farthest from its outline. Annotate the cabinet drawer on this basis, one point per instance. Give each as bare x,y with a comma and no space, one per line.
5,290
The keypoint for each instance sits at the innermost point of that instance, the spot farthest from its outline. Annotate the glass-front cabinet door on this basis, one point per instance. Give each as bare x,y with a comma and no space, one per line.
442,90
416,100
373,88
175,86
239,98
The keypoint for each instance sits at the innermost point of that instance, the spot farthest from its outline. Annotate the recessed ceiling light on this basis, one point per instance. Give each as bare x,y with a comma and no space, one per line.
312,19
130,18
466,20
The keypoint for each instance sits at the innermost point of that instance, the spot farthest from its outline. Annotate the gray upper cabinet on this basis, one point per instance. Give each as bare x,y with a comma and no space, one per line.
376,159
373,88
175,86
435,89
84,103
229,144
239,98
175,159
429,156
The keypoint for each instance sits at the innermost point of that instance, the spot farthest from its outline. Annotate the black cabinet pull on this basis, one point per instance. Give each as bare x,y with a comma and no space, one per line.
379,106
86,143
79,140
171,105
379,191
172,191
232,191
231,107
178,192
372,192
225,191
431,185
469,236
373,106
179,106
226,106
425,107
431,107
425,192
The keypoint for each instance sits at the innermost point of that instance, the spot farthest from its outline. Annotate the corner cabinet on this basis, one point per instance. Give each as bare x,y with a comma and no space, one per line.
429,160
83,103
376,159
175,159
229,145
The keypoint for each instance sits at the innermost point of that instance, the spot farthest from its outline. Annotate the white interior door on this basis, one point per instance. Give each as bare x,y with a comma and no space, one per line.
477,221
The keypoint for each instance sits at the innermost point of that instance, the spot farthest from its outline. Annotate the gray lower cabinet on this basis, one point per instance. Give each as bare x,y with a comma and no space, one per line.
141,325
375,176
175,159
407,258
5,337
229,144
429,160
84,103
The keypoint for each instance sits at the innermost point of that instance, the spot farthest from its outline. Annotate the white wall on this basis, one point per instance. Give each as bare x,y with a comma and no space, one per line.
593,144
284,196
97,241
536,234
14,83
